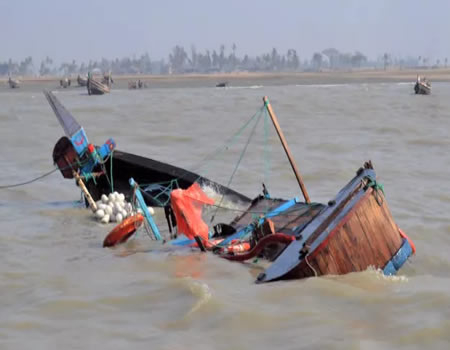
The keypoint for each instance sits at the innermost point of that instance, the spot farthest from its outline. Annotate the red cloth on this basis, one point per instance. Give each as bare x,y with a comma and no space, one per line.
187,206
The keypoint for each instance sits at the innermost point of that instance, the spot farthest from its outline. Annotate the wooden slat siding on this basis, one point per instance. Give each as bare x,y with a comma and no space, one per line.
327,263
348,247
381,253
386,227
397,239
374,232
363,238
338,226
359,248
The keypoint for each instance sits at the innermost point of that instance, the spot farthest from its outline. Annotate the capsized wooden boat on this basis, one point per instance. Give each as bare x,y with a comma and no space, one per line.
352,232
105,169
422,86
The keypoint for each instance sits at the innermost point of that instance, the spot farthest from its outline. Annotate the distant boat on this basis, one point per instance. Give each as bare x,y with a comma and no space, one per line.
136,84
222,84
95,87
13,83
81,81
422,86
65,83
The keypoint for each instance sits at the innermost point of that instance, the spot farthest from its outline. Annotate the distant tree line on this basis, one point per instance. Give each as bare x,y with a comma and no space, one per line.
181,61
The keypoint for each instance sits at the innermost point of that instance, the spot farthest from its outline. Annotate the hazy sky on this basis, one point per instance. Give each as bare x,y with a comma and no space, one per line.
84,29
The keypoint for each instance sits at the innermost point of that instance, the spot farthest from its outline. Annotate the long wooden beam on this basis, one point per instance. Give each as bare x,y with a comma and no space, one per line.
286,148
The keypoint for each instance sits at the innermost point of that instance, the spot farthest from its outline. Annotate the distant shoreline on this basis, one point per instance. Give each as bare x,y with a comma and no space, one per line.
323,77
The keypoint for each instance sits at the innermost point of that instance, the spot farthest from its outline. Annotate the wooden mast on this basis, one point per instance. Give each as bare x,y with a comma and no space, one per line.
286,148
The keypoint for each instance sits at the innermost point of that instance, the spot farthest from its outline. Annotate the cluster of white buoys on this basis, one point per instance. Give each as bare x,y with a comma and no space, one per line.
114,208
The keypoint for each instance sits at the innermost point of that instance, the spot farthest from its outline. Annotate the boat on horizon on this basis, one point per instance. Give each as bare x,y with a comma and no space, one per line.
422,86
222,84
95,87
82,81
65,82
13,83
136,84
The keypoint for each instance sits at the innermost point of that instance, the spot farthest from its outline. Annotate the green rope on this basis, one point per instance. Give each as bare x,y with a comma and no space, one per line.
239,161
376,186
111,171
227,144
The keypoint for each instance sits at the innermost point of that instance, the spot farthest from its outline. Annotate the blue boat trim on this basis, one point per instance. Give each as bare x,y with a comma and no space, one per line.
144,208
249,228
398,259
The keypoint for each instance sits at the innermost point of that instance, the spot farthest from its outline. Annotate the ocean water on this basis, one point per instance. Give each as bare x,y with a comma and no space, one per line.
61,290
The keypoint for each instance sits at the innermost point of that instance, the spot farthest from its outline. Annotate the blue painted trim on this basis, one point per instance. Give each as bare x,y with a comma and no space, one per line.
79,141
398,259
182,241
144,208
277,211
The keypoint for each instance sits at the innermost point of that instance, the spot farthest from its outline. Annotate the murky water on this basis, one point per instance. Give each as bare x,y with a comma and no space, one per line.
60,289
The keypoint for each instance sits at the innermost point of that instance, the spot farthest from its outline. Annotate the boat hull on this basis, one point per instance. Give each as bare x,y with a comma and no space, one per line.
157,178
422,89
356,231
96,88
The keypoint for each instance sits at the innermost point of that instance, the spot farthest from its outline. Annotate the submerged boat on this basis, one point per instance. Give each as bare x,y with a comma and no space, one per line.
13,83
352,232
422,86
81,81
105,169
95,87
297,239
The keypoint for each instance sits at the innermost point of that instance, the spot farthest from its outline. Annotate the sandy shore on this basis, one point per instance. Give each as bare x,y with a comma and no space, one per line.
263,78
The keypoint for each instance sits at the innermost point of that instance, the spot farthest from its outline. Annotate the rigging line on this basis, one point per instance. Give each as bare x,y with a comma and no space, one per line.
2,187
29,181
238,163
229,141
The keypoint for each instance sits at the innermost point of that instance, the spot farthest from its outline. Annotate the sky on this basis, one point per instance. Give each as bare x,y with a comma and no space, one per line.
92,29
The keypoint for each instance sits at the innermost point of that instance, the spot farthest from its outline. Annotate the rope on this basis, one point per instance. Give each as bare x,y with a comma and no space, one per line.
29,181
377,188
312,268
228,143
238,162
111,172
69,166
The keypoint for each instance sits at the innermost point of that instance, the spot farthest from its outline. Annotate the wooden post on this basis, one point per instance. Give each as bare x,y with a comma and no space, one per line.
286,148
86,193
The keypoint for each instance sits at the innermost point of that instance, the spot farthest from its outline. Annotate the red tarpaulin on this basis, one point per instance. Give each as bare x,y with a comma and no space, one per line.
187,206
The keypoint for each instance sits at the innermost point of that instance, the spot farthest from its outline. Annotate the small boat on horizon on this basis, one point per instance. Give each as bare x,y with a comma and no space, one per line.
95,87
13,83
136,84
82,81
222,84
422,86
65,82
